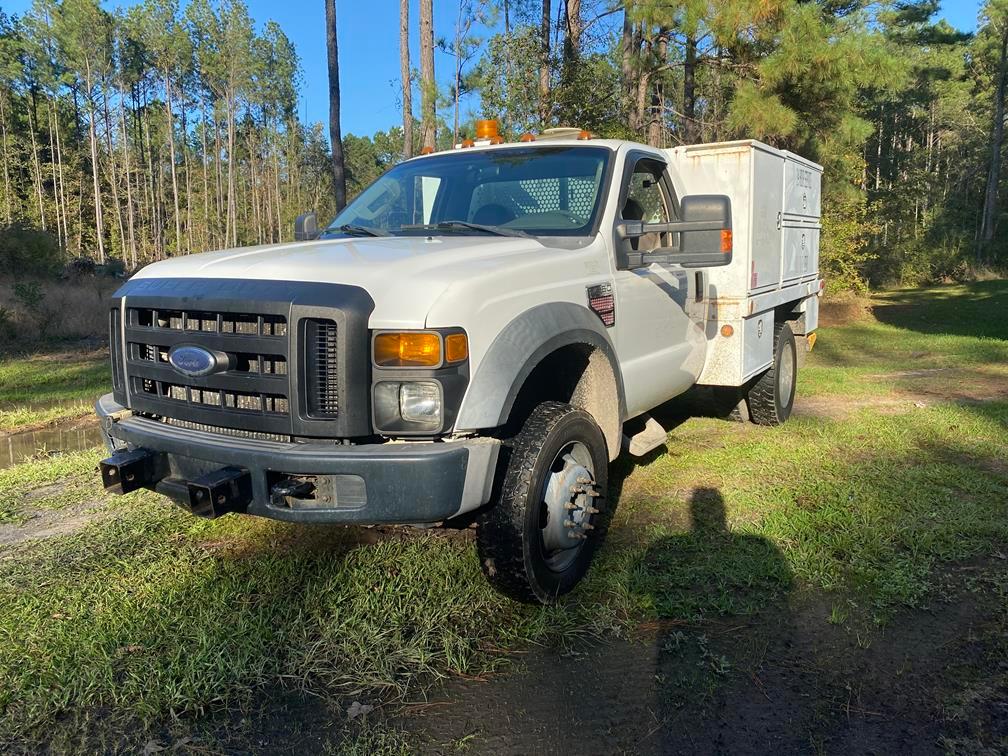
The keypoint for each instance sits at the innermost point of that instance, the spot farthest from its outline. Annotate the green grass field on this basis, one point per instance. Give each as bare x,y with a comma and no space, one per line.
893,466
46,389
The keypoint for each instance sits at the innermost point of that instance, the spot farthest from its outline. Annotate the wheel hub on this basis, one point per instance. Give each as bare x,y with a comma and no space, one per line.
570,500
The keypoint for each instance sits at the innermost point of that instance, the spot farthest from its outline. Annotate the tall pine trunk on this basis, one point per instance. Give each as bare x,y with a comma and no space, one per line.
171,159
407,84
690,130
93,137
332,49
6,169
544,68
428,87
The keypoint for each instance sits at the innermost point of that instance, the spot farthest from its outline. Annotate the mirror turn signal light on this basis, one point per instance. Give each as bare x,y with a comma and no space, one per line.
726,241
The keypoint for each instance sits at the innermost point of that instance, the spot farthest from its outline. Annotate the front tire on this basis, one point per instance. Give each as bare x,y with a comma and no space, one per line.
536,541
771,398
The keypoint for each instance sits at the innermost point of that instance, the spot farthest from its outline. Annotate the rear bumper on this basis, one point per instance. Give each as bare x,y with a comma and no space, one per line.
420,482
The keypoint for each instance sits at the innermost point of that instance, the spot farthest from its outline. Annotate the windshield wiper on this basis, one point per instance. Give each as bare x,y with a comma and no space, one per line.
351,230
455,225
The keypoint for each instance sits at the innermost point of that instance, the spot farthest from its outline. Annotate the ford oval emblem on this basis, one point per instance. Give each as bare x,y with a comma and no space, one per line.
193,361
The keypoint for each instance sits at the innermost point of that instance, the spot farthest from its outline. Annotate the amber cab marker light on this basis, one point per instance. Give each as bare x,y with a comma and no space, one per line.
527,137
487,129
456,347
585,134
468,143
727,330
421,349
726,241
427,150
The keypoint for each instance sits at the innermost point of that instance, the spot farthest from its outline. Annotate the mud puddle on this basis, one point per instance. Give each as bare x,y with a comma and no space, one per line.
17,447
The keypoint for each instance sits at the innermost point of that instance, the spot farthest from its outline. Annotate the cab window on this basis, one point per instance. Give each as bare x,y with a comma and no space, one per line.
646,201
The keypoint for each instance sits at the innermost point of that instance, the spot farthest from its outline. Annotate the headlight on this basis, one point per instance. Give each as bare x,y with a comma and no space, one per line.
420,403
408,406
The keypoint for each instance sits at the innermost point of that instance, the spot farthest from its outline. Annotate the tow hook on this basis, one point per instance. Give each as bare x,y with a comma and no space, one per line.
291,488
128,471
219,492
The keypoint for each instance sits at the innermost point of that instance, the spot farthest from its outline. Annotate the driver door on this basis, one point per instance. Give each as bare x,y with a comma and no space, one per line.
660,315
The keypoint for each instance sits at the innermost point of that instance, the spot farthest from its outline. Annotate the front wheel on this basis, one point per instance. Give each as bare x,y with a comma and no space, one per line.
536,541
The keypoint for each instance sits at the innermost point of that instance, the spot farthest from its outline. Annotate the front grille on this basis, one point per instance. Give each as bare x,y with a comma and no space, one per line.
253,393
297,355
321,368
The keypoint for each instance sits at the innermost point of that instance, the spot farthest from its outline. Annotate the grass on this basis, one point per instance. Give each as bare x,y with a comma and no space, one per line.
48,482
151,614
44,389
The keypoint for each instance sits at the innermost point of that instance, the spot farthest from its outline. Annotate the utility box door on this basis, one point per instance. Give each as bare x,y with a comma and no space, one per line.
802,187
801,251
765,219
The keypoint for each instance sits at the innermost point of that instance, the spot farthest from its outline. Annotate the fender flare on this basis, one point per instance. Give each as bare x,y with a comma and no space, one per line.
518,348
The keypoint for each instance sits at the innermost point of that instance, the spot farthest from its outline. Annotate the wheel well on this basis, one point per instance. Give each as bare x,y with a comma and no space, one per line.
579,375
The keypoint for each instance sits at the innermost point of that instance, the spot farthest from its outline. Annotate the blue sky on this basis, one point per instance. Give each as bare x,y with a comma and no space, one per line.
369,51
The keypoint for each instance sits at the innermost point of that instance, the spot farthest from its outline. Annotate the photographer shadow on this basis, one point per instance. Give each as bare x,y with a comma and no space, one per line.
693,581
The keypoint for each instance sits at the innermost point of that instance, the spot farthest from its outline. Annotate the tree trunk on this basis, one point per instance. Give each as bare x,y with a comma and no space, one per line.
62,186
458,70
989,222
171,160
99,226
332,48
60,237
231,232
656,118
627,68
544,68
35,162
6,170
690,131
428,86
407,85
129,190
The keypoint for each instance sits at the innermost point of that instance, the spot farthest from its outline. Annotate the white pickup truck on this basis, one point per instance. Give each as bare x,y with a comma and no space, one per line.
472,340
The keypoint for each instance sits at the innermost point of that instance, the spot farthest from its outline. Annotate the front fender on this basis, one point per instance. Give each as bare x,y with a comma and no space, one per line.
515,352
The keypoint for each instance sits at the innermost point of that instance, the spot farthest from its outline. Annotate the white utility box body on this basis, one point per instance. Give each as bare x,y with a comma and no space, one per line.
776,199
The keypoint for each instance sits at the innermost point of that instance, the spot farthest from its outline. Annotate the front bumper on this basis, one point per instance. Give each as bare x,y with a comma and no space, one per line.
422,482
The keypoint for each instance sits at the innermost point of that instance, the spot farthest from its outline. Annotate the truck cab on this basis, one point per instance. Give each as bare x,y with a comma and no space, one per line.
473,339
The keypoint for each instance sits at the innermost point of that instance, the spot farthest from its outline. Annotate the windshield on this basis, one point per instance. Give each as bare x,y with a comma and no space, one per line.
548,191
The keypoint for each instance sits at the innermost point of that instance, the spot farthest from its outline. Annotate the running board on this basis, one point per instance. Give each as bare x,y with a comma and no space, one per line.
650,438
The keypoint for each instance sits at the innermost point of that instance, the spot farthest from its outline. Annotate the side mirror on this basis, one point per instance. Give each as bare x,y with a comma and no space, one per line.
306,227
704,229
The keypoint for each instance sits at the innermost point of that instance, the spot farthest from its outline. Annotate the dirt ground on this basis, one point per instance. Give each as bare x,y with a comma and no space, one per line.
782,682
931,680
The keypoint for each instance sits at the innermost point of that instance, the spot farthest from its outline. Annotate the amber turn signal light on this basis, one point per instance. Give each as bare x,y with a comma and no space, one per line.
727,331
419,349
726,241
456,347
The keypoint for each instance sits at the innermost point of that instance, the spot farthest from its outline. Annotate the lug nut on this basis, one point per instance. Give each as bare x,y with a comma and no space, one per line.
591,510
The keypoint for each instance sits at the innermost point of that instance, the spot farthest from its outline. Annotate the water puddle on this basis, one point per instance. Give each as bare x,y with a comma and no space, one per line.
15,448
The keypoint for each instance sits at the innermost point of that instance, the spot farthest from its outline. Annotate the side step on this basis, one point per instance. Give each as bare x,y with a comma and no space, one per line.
128,471
650,438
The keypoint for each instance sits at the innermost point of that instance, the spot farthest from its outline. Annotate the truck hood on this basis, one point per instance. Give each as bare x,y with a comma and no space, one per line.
404,275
